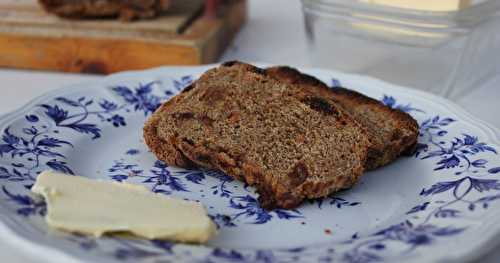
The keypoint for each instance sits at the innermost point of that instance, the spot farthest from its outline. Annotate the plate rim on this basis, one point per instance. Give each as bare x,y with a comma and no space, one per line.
491,237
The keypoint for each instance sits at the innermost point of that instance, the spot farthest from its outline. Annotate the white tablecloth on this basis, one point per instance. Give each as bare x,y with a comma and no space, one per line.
273,34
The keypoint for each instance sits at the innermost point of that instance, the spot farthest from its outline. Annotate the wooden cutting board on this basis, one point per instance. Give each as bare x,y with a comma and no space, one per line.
30,38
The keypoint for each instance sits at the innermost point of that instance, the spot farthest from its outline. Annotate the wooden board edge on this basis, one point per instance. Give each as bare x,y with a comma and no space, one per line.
96,56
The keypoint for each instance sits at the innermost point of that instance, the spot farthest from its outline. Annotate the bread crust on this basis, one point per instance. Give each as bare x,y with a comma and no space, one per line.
164,150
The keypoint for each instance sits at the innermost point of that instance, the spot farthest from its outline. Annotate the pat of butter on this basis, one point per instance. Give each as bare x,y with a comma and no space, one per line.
424,5
82,205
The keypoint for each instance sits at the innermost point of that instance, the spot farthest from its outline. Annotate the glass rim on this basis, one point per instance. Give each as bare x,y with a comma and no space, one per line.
473,14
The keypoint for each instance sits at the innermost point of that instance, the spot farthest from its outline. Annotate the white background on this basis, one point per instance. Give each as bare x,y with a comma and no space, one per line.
273,34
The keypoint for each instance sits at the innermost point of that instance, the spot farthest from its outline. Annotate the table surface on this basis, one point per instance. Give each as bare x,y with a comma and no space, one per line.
269,36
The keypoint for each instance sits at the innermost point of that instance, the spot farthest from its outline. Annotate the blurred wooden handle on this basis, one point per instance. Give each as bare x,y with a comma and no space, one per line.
211,8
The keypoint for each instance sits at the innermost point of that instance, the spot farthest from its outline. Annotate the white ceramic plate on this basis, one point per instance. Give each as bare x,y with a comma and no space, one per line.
440,205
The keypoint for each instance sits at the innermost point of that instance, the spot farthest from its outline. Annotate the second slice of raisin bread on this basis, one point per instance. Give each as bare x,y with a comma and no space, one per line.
391,132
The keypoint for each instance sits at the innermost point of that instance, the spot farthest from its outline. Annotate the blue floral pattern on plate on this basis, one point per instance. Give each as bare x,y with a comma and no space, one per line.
459,168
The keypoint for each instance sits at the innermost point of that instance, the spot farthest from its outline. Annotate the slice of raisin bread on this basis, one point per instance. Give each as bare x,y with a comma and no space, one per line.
391,132
287,141
125,9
